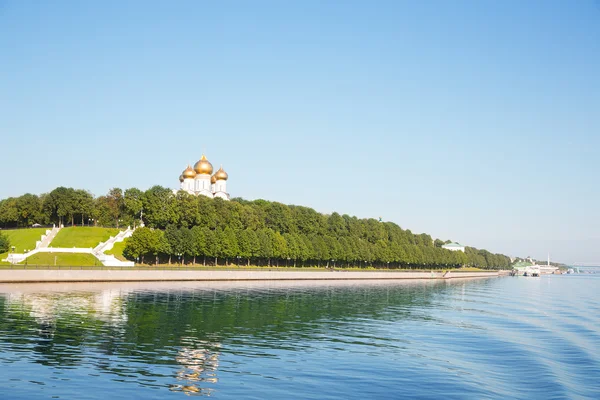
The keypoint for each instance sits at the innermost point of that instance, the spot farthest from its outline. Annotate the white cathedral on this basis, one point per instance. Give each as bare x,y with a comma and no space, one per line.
200,180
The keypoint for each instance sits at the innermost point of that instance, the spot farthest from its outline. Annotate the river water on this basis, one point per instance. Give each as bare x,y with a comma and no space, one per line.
496,338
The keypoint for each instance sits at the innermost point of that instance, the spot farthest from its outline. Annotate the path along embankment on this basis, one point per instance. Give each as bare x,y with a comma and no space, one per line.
114,275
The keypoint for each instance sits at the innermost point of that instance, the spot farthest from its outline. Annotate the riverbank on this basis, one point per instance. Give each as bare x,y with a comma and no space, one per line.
120,275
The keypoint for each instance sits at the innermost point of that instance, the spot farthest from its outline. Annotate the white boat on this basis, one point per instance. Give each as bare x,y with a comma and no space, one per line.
534,271
530,270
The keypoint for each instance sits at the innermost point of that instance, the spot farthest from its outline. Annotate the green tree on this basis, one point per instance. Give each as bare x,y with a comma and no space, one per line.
188,246
116,204
279,247
260,231
83,204
175,241
59,204
186,209
143,243
159,207
9,212
197,242
211,244
337,225
29,209
133,204
266,246
4,243
248,244
228,246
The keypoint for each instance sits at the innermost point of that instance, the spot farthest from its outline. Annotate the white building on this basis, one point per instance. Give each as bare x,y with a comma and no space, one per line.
200,180
454,247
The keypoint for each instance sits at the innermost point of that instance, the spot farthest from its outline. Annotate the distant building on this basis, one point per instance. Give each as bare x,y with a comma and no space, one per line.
454,247
200,180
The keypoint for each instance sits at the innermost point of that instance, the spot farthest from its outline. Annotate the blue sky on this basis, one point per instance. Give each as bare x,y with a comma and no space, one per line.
475,121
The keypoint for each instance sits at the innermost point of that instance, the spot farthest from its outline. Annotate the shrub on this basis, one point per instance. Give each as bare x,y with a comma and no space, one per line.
4,243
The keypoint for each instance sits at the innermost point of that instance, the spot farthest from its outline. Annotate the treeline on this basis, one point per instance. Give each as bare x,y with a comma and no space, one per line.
197,229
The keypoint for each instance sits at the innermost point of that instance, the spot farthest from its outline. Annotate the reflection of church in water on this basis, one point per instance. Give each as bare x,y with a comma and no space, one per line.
199,361
200,180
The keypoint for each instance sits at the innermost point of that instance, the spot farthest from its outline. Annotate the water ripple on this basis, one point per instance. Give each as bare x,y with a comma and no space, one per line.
493,339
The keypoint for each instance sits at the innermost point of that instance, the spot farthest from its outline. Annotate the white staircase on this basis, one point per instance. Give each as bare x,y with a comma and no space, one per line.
122,235
109,260
47,238
42,246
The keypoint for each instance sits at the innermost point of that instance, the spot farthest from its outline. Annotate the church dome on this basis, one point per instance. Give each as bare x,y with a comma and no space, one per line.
221,175
213,179
188,173
203,166
180,178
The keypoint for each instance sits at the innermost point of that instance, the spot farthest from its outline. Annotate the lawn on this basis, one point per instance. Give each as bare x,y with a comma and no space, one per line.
22,239
62,259
82,236
117,250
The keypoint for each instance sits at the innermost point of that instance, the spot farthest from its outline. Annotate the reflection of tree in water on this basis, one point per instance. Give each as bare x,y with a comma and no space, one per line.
65,321
137,335
199,361
46,308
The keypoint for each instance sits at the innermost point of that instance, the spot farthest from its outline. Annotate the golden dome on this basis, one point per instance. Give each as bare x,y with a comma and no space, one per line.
213,179
221,175
203,166
180,178
188,173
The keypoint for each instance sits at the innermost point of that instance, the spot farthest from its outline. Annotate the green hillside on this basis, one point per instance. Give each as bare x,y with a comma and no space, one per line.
82,236
117,250
22,239
260,232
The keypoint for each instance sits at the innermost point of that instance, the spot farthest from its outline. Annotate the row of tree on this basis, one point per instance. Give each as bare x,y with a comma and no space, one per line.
66,206
188,227
268,247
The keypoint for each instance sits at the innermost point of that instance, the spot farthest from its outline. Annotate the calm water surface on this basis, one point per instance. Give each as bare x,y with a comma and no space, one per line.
493,338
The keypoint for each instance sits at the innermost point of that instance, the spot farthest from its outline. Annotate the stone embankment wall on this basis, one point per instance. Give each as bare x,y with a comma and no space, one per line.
108,275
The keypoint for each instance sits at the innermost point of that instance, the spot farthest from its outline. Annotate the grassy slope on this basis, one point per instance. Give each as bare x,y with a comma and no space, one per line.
82,236
74,259
117,250
22,239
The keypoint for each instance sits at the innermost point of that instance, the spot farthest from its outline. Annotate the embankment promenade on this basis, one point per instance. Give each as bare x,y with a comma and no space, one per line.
123,275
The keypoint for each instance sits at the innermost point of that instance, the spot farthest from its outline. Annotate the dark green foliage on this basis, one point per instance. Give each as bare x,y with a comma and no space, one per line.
191,229
4,243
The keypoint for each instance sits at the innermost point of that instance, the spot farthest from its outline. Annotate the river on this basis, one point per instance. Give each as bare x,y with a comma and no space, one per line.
495,338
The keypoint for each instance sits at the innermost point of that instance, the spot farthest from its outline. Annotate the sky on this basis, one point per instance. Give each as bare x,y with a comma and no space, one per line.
474,121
